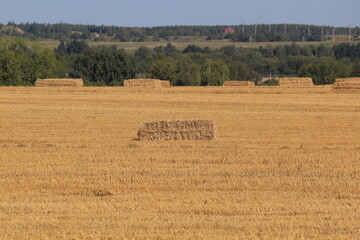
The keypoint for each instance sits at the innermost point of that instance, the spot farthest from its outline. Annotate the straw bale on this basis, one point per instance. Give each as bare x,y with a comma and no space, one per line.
177,130
60,82
165,84
346,84
296,82
239,84
143,83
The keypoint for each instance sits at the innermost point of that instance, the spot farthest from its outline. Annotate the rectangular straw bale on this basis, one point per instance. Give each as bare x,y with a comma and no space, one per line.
165,84
177,130
238,84
295,82
143,83
346,84
60,82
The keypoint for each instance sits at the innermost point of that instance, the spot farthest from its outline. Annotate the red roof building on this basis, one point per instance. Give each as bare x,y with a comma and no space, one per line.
229,30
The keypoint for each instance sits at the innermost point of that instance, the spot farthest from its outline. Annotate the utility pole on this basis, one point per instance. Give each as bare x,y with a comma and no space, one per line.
333,34
349,33
285,28
322,33
255,28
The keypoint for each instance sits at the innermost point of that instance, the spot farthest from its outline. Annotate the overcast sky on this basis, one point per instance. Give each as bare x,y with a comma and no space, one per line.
182,12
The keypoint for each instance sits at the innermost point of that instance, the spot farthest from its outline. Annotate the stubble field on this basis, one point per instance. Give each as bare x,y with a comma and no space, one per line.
285,164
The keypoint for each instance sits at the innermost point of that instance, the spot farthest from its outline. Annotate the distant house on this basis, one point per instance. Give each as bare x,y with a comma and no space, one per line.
229,30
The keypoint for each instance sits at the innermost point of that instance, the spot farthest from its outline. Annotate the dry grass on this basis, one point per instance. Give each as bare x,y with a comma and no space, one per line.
295,82
59,82
177,130
285,164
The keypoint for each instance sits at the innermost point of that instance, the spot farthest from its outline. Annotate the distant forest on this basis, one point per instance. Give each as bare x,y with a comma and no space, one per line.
193,66
237,33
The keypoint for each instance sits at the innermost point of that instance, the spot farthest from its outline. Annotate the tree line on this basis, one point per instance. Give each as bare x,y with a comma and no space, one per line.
244,33
193,66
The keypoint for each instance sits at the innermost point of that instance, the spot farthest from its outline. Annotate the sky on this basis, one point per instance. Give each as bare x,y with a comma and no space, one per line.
140,13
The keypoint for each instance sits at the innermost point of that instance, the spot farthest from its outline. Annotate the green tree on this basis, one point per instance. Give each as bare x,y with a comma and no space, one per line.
253,59
187,74
144,58
164,70
292,49
20,65
76,47
240,71
355,70
69,50
168,51
122,34
104,66
44,64
229,50
214,73
324,72
323,51
292,64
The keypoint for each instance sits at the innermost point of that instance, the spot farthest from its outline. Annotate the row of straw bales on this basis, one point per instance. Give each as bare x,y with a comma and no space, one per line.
341,84
72,82
291,82
147,83
296,82
60,82
177,130
143,83
239,84
346,85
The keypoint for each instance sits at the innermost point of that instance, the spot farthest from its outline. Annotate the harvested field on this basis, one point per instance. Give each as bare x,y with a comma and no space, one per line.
239,84
284,164
347,85
60,82
144,83
177,130
295,82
